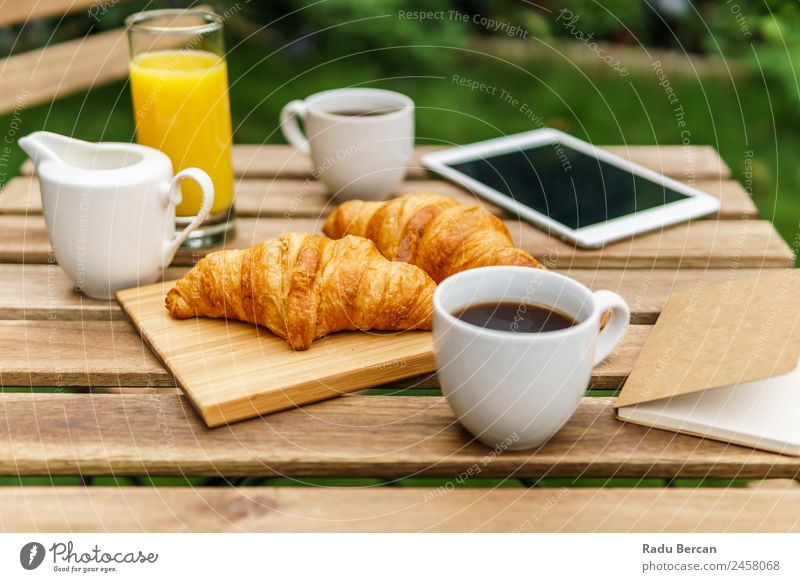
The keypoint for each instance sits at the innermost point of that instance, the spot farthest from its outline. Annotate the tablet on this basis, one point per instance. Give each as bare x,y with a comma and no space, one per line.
569,187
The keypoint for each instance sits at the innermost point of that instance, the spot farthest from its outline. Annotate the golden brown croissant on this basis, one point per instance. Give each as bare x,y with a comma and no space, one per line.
434,232
304,286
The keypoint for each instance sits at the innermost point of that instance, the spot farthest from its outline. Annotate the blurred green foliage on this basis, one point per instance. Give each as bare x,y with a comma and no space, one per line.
346,27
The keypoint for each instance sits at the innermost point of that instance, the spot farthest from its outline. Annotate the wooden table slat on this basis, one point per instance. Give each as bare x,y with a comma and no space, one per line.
280,197
683,162
304,509
692,162
34,292
77,353
112,353
24,12
394,436
702,244
44,74
75,341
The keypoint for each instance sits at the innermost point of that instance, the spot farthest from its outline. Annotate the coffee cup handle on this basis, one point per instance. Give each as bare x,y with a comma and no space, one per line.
291,127
616,326
173,197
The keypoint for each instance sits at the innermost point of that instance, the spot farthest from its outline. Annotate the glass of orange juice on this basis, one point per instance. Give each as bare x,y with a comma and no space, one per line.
179,84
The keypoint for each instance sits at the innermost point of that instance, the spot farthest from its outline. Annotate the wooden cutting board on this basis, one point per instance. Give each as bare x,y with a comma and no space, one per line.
232,370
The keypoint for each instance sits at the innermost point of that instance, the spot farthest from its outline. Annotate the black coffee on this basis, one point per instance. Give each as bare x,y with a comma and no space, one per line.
513,316
364,112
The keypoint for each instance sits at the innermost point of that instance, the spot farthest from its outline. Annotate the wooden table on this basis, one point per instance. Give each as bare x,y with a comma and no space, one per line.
116,411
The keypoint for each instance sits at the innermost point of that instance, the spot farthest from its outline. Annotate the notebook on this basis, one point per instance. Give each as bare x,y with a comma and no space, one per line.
722,362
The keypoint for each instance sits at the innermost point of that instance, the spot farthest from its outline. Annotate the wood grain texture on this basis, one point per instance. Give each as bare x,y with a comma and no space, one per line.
349,436
76,353
705,244
232,370
112,353
279,197
42,75
774,484
302,509
684,162
92,351
261,161
34,292
20,12
270,161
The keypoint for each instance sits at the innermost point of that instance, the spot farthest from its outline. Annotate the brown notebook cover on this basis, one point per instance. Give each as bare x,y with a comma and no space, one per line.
719,335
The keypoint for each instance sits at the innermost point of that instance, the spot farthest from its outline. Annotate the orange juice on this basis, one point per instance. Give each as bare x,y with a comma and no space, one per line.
180,100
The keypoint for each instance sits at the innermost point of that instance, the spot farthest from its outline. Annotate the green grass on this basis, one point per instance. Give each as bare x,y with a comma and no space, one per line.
15,481
711,482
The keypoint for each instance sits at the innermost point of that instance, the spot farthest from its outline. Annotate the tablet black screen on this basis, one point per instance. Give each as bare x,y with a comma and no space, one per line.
567,185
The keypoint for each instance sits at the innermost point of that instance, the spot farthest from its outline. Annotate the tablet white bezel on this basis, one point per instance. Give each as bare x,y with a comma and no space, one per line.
695,205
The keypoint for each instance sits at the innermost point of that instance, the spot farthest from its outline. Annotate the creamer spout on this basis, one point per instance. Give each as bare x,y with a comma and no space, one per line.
47,146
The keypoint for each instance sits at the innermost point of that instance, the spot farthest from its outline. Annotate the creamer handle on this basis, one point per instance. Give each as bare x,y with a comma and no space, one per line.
174,198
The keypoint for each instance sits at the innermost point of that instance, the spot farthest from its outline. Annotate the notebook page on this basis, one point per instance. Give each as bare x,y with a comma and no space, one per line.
764,414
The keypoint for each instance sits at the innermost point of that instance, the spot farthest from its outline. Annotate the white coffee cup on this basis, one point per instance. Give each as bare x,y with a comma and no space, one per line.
513,389
110,209
357,156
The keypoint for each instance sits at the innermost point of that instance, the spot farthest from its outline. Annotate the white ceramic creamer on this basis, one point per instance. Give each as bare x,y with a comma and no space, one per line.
110,209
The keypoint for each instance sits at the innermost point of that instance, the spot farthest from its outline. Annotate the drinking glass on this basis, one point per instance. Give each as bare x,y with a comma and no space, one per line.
179,84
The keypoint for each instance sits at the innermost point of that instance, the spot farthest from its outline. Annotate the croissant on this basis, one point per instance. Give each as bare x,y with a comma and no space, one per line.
431,231
304,286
